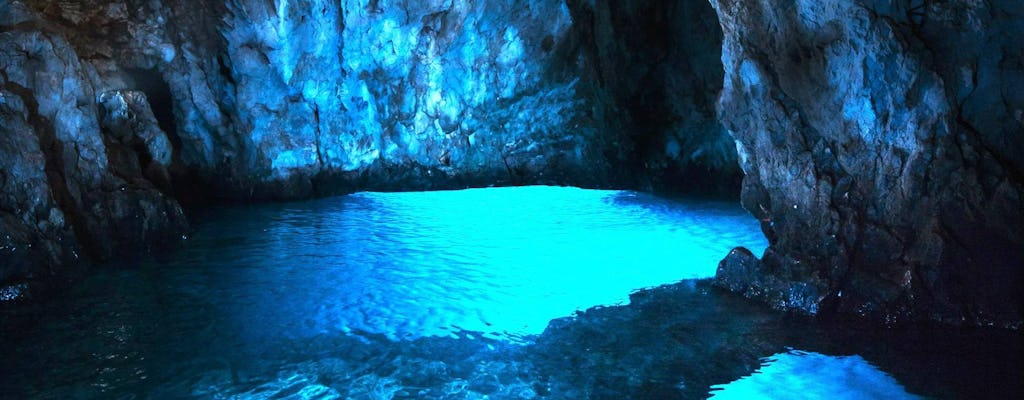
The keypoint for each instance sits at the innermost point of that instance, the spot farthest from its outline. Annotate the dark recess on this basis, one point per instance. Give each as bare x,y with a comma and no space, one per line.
661,62
185,186
158,92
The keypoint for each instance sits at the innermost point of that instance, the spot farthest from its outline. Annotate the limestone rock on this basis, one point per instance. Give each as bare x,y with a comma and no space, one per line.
862,153
59,193
35,235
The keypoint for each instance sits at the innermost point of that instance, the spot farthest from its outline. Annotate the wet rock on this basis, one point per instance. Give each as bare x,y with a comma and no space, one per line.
485,384
128,117
144,148
35,233
885,192
62,202
740,271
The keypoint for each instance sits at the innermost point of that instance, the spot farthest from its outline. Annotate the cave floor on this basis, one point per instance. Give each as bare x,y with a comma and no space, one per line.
468,294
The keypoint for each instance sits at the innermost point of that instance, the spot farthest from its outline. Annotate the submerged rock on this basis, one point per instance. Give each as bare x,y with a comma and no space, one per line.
742,272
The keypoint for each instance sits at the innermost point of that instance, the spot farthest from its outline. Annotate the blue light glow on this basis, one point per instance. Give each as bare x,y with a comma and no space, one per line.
440,295
807,375
498,261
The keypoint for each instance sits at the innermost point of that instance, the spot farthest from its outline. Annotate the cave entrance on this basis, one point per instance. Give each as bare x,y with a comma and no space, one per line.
179,181
158,92
680,142
662,62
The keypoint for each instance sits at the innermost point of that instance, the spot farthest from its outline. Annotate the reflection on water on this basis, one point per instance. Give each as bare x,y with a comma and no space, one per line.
808,375
499,261
446,295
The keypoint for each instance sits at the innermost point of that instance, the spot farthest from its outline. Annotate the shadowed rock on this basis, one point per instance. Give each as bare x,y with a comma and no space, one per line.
887,194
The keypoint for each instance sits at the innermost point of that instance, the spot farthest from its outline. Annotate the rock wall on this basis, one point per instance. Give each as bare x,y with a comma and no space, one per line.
137,105
63,197
882,147
402,91
881,142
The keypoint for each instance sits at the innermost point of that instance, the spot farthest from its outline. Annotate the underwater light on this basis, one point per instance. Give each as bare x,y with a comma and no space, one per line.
807,375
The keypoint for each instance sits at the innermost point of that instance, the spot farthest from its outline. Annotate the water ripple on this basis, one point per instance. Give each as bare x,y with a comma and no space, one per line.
500,261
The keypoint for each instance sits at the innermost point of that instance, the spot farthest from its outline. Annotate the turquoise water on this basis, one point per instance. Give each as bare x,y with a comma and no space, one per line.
446,295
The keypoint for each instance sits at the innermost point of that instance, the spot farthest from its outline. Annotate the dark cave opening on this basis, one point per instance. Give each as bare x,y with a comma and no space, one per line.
661,62
178,180
150,82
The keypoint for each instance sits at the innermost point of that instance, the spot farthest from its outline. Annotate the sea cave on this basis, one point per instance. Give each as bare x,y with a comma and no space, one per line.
499,199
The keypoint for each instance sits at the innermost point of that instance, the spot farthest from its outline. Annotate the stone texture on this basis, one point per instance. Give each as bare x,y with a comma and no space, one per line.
61,204
289,98
34,229
884,189
881,141
243,100
331,90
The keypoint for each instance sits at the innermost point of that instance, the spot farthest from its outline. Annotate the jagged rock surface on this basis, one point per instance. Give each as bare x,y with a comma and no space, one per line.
442,87
881,143
61,200
285,99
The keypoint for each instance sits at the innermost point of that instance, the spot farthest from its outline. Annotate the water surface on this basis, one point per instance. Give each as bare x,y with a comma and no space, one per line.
499,261
437,295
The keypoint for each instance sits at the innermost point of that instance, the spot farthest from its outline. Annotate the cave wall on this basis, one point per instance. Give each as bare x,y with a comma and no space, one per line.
64,198
290,98
401,91
881,143
129,108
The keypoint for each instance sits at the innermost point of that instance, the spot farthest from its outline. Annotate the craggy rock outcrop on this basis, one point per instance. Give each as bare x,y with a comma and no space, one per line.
883,147
63,198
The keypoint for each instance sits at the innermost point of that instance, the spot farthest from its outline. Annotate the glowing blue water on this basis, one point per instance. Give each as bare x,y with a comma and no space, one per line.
445,295
502,261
